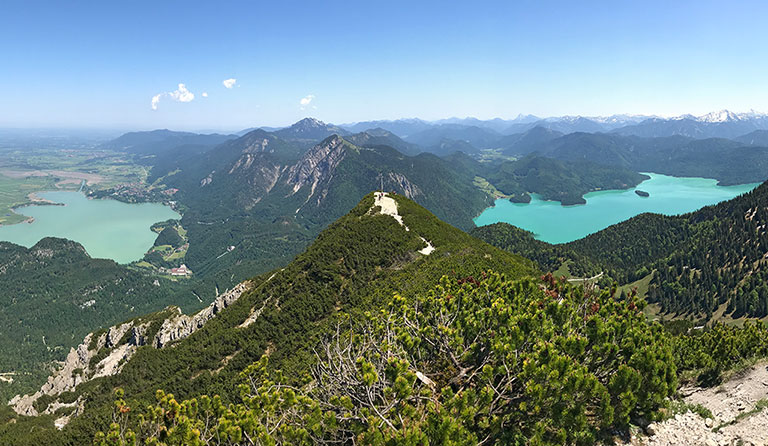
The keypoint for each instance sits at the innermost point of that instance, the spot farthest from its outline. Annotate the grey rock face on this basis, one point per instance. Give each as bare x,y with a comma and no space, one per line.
409,189
182,325
318,163
65,379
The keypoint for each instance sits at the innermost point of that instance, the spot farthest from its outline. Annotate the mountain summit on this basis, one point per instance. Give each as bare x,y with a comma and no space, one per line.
721,116
310,128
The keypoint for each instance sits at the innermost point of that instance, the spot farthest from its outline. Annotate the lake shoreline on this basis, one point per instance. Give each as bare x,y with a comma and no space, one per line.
36,200
107,228
554,222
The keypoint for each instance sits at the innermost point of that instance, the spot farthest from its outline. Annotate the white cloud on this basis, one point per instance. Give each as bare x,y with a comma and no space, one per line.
229,83
205,95
182,94
155,100
305,101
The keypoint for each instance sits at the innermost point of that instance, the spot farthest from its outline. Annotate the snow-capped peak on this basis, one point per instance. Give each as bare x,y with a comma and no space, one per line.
753,114
720,116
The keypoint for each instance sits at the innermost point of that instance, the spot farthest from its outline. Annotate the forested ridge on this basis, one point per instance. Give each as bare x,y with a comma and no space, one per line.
563,181
728,161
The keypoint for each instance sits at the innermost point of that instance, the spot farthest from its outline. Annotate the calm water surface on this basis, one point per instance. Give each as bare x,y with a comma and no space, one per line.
554,223
106,228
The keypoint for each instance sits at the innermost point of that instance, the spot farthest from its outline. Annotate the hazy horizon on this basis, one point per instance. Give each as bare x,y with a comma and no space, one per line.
113,130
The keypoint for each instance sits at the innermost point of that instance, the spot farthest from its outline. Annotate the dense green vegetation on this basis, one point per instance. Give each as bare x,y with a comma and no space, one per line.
549,257
703,354
500,351
471,360
53,294
380,137
566,182
169,236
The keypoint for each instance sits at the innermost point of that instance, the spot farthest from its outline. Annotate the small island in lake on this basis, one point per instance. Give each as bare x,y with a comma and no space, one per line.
642,193
520,198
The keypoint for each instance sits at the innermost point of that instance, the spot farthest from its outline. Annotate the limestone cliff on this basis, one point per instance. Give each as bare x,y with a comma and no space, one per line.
318,163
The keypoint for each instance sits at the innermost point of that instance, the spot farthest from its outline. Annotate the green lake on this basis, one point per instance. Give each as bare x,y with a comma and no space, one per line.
106,228
554,223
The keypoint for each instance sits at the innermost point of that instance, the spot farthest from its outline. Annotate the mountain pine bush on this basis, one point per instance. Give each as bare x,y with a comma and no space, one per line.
482,360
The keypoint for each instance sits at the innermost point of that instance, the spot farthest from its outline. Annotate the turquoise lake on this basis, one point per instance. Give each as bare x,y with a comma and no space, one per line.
554,223
106,228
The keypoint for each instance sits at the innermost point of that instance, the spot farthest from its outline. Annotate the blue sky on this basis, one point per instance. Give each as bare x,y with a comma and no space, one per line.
100,63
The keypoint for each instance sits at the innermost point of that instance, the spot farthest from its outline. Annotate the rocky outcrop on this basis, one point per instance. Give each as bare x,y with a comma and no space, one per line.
65,379
207,180
691,429
260,174
105,354
318,163
78,406
181,325
402,183
253,316
256,144
739,415
78,368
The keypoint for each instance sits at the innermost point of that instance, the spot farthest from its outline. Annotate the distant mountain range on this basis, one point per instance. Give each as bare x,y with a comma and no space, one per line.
720,124
728,161
406,128
156,141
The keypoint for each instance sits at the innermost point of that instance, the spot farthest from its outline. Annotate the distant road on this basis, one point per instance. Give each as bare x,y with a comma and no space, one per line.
584,279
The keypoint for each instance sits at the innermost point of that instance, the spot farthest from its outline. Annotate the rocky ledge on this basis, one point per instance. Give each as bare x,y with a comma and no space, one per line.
739,415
